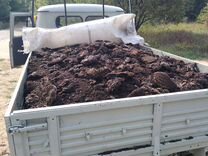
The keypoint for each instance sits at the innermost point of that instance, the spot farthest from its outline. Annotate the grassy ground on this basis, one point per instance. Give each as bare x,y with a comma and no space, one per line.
187,40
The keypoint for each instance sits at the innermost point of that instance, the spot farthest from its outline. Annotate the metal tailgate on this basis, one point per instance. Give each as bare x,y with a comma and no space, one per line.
83,129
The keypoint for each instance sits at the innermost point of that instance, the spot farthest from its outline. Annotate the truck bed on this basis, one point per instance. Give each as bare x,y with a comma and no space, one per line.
145,126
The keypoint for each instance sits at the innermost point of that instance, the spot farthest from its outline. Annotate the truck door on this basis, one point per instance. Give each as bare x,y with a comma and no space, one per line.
16,44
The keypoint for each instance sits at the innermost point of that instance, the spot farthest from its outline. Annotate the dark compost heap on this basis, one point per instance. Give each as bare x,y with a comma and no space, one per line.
104,70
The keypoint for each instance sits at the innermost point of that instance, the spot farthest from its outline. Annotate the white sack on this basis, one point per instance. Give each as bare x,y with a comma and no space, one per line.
116,29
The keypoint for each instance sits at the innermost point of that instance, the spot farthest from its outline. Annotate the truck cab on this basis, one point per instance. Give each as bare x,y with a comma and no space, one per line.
53,17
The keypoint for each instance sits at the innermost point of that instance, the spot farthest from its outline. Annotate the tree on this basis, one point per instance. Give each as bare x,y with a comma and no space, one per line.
193,8
203,16
4,10
39,3
19,5
154,10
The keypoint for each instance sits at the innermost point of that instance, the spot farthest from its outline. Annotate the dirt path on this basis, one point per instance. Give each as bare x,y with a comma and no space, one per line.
8,79
4,49
4,41
4,44
4,34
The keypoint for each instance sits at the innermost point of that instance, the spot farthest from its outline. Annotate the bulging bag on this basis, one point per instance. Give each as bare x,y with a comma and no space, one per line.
117,29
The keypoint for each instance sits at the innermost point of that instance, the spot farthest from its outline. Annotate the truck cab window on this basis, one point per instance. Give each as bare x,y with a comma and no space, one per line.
60,20
91,18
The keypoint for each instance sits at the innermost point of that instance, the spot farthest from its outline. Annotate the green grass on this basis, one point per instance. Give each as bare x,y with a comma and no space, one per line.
187,40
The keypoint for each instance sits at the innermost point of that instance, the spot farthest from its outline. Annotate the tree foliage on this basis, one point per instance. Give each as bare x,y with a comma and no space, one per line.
145,10
19,5
203,16
193,8
4,10
155,10
39,3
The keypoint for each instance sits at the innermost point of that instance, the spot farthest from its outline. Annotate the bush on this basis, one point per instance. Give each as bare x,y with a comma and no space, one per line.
203,16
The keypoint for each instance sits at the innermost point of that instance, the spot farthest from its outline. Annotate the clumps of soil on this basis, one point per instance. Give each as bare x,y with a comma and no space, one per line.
104,70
